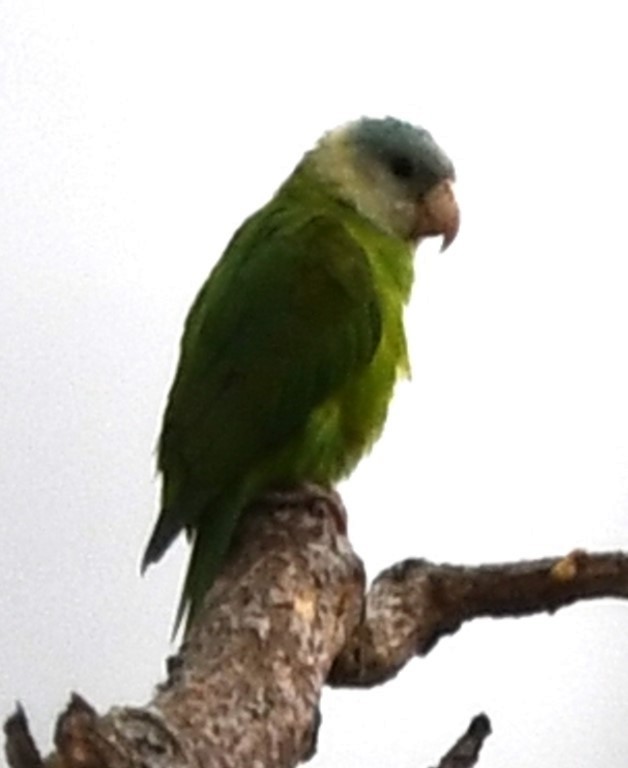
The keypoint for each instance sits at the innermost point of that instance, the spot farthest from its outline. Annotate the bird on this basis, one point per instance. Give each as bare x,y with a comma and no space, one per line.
292,348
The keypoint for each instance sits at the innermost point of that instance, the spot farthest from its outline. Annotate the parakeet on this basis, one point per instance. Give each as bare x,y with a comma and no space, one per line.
292,348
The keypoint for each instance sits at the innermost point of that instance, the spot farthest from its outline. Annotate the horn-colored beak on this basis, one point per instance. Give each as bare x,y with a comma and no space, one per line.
437,213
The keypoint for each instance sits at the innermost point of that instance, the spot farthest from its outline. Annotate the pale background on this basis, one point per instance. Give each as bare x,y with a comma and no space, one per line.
134,138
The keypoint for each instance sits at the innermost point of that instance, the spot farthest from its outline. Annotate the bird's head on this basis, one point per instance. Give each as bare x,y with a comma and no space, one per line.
394,174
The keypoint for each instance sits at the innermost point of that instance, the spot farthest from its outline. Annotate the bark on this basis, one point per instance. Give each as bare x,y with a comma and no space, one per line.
410,606
289,614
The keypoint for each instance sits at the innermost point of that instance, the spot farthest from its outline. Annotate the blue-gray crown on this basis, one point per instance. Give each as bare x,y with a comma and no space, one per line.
409,152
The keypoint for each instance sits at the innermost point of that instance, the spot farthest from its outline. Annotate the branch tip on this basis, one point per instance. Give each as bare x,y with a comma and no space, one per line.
20,747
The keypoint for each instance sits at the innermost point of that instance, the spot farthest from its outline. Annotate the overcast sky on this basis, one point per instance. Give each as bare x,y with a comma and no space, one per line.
135,137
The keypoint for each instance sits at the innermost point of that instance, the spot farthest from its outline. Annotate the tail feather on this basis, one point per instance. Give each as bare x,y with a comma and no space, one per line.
209,549
166,530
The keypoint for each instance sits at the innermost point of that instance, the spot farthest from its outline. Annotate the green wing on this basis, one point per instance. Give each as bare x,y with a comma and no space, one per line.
284,320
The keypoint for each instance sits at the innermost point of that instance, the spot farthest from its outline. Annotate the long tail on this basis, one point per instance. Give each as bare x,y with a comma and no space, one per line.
210,545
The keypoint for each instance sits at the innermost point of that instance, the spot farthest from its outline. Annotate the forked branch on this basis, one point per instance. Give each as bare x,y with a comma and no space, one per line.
289,614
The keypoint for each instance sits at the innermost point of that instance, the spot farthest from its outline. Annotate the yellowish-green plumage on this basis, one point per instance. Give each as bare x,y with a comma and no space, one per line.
292,348
347,422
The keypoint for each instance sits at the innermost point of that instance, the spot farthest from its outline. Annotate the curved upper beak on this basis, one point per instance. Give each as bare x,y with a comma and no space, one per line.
437,213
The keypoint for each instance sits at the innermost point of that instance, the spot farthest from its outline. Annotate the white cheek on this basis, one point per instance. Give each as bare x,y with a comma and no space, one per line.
404,214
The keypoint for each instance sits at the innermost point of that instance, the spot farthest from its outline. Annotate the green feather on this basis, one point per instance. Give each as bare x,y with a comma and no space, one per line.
288,361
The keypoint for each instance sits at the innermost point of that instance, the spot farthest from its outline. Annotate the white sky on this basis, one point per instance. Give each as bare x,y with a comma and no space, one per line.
135,137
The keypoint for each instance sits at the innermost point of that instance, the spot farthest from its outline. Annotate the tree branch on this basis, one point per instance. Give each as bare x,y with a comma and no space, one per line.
466,751
20,749
413,604
245,686
288,614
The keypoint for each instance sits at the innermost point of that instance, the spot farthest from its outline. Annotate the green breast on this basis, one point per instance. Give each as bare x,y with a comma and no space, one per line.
348,424
345,427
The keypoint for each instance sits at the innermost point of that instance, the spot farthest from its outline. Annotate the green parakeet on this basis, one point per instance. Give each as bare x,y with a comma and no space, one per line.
292,348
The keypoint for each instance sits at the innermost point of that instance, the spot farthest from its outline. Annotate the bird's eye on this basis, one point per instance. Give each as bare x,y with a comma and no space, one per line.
401,167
